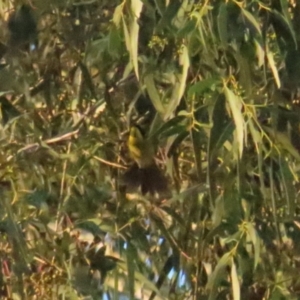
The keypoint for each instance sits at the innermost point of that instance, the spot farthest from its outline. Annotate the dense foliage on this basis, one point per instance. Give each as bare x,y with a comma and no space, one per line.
215,83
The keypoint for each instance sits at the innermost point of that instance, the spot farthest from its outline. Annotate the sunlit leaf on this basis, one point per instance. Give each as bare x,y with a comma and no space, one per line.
260,52
251,20
153,94
273,68
139,276
218,275
255,241
117,17
136,9
235,103
179,87
235,282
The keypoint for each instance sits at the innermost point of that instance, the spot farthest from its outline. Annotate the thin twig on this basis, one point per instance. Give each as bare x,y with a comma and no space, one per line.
109,163
49,141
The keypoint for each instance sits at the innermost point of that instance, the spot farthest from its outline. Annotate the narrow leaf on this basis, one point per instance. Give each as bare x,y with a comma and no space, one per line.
202,86
287,19
235,282
255,241
222,24
153,94
131,254
273,68
235,103
251,20
179,88
288,185
217,275
136,9
118,14
283,140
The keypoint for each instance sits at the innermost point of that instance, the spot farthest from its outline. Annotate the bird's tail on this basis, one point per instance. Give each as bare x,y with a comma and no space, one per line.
150,179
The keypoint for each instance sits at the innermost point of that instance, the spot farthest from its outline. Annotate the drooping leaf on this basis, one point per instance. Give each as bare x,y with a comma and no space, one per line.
136,9
255,241
117,17
283,140
235,281
202,86
217,275
131,255
179,87
235,103
222,24
169,13
273,68
250,18
153,94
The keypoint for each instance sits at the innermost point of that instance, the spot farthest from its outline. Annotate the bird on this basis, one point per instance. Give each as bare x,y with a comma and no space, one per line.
22,27
144,172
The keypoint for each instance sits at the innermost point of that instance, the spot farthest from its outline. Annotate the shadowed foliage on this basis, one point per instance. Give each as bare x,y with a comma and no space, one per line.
215,86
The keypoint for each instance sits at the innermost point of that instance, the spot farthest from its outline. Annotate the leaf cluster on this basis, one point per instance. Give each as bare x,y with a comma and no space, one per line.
215,83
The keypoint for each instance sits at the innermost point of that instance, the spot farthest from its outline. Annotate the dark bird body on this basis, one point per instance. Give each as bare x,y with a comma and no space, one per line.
144,172
22,27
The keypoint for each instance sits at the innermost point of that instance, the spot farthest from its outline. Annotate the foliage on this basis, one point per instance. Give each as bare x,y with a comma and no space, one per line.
216,83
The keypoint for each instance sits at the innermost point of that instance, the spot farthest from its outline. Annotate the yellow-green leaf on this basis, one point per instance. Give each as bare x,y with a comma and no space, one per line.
235,282
217,275
273,68
283,140
136,8
235,103
153,94
255,241
179,87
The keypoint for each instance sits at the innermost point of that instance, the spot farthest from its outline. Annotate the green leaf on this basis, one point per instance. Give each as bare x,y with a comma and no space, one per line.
235,282
256,135
245,78
140,277
218,275
222,24
177,142
114,41
283,140
288,185
202,86
179,87
273,68
153,94
218,212
222,127
136,9
255,241
169,13
118,13
286,19
235,103
260,52
188,28
196,140
169,125
127,35
252,20
131,255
